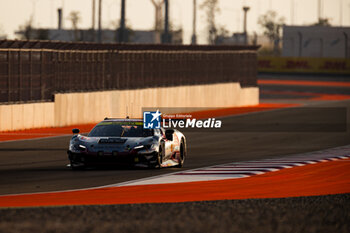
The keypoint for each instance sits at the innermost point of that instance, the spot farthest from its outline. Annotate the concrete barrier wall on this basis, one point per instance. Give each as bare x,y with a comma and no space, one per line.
26,116
81,108
91,107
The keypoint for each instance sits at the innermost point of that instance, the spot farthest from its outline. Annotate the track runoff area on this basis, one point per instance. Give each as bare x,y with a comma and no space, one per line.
246,161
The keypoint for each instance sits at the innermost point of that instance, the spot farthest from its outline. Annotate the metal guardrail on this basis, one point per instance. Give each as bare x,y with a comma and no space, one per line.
36,70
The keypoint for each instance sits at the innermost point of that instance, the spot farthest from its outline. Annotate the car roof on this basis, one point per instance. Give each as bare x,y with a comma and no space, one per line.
121,120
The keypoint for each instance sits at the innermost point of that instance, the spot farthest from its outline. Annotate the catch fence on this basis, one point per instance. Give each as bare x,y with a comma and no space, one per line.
36,70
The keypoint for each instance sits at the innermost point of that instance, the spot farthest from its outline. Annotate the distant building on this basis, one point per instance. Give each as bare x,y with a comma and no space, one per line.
239,38
235,39
316,41
87,35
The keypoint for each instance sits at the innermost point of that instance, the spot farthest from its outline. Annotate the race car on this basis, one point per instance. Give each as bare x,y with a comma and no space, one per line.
127,142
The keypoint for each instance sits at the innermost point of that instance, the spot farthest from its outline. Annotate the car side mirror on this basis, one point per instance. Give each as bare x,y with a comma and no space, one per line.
169,134
75,131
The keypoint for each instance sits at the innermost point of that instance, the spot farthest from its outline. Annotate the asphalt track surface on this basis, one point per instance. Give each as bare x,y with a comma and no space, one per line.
39,165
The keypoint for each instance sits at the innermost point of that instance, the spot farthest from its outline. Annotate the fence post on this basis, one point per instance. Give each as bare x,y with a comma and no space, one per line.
30,76
41,76
8,76
20,76
103,70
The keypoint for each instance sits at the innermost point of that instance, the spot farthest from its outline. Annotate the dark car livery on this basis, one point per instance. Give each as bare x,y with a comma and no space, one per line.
125,141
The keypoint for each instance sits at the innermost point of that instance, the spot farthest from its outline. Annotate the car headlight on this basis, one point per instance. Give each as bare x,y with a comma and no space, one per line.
150,147
77,148
139,147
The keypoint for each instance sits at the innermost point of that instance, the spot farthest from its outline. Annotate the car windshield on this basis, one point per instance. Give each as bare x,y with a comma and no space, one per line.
120,129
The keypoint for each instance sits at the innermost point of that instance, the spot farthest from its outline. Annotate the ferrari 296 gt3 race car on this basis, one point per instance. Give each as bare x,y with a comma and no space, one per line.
126,142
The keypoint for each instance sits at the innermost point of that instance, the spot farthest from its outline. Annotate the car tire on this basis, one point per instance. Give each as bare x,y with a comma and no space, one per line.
158,159
183,152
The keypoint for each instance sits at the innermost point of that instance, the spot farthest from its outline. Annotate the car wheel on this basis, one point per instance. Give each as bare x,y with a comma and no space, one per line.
157,159
160,157
183,151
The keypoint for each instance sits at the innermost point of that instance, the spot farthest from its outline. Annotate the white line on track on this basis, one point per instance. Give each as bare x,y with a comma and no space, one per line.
239,169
